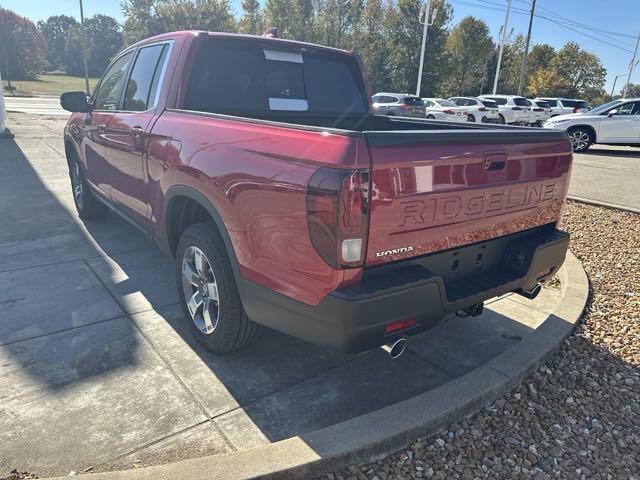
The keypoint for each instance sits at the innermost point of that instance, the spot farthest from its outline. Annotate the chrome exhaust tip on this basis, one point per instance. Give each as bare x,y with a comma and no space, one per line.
532,292
395,347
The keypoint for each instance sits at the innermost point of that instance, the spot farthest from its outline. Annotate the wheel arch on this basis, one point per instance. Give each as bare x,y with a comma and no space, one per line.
184,206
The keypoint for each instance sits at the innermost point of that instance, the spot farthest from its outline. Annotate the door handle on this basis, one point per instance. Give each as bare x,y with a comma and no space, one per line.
136,131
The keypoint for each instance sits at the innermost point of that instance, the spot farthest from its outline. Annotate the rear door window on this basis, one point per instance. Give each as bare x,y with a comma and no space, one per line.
413,101
249,78
552,103
521,102
499,100
489,103
140,93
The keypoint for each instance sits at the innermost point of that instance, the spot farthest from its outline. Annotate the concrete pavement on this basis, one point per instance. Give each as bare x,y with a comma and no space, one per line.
97,368
609,174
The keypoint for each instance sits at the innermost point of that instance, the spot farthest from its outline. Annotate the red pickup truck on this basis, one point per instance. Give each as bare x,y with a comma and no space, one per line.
258,165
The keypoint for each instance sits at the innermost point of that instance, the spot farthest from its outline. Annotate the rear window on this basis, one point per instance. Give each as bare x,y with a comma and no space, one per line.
247,78
521,102
446,103
489,103
574,103
413,101
499,100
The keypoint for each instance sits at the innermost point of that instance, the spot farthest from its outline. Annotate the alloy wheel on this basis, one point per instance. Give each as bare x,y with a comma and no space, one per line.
76,184
200,290
579,139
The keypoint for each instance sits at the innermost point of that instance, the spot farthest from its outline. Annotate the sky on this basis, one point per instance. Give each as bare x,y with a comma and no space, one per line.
613,49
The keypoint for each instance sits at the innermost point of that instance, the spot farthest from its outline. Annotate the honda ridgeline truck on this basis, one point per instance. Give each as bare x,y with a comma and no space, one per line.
257,164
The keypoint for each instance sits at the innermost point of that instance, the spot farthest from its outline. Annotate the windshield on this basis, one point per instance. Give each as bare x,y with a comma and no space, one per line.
605,106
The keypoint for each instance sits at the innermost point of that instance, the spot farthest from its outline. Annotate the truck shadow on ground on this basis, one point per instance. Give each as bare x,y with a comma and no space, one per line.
612,152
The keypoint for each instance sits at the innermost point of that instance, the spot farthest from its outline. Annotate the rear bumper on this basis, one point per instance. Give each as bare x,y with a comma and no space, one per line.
353,319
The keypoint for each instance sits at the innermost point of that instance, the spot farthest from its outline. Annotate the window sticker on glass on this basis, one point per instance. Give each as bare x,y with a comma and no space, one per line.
290,104
283,56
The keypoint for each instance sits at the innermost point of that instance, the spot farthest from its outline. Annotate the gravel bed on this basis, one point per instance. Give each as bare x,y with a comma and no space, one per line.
578,416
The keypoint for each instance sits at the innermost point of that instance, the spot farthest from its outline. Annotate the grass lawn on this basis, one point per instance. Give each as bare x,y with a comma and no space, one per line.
48,84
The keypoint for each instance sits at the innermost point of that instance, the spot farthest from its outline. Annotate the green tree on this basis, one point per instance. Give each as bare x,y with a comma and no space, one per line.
104,39
468,47
583,70
632,91
369,42
294,19
252,21
56,31
540,56
510,66
22,47
545,82
335,21
144,18
141,20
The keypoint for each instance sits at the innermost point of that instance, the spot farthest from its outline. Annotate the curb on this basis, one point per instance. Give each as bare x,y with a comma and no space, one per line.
598,203
371,436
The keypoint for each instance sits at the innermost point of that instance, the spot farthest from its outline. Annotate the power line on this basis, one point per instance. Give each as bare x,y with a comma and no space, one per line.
497,7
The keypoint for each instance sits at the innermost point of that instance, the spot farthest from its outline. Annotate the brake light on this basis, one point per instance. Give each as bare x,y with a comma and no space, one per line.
404,106
483,109
449,112
338,215
575,109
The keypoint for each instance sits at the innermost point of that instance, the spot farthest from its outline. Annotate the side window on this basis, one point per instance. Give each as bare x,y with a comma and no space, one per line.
375,99
626,109
108,94
457,101
636,110
140,92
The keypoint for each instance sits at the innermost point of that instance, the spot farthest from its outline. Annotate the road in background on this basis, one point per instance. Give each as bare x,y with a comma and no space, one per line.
35,105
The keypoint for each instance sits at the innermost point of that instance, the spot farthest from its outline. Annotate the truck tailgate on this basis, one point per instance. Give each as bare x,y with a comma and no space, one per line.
442,189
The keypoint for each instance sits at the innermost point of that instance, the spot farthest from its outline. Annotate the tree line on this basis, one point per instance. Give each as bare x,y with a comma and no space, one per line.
460,59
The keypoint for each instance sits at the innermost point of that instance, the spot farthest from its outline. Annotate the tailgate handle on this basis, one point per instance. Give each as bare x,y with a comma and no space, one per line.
494,160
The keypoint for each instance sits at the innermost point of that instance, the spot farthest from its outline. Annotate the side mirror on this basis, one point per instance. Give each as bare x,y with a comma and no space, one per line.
75,102
612,112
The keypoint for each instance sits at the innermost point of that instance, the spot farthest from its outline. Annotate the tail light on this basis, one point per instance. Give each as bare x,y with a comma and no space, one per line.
449,112
338,215
575,109
516,108
483,109
404,106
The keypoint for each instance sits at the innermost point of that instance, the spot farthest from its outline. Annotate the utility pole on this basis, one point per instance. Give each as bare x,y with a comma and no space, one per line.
84,51
423,18
615,80
523,67
502,40
631,65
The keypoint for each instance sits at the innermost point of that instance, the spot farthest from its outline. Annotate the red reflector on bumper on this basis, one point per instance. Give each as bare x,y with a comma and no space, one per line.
401,325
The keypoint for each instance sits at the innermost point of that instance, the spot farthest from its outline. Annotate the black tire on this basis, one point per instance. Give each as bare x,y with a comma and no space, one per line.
501,117
471,118
233,330
431,117
581,138
88,206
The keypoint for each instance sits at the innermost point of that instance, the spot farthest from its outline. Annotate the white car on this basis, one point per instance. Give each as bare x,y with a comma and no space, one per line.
511,108
478,110
562,106
542,111
441,109
614,123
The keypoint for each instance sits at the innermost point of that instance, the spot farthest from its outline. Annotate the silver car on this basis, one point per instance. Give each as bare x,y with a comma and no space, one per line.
398,104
